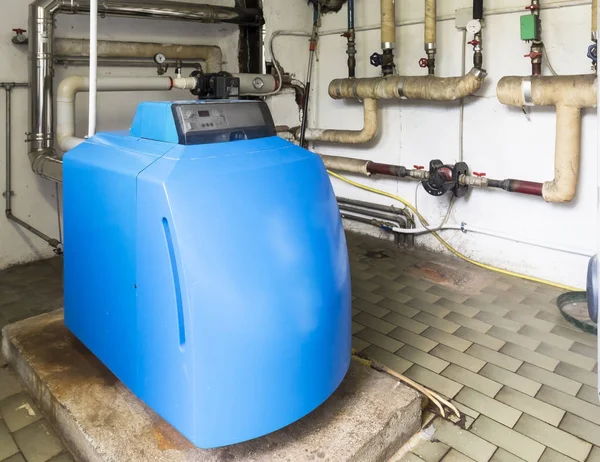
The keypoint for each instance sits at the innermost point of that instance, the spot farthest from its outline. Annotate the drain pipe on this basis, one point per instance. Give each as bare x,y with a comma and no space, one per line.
366,134
569,94
69,87
41,52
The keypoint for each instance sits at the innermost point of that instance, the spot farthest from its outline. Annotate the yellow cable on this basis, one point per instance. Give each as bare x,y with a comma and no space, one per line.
446,244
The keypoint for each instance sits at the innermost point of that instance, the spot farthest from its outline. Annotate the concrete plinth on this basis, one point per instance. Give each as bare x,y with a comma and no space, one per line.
367,419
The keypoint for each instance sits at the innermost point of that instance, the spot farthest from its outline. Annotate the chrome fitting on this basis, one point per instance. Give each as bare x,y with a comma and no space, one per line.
479,74
430,47
387,45
526,90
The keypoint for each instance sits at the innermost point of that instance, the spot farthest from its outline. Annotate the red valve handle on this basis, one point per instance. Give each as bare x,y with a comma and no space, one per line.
419,167
474,42
533,55
19,31
478,174
532,7
423,62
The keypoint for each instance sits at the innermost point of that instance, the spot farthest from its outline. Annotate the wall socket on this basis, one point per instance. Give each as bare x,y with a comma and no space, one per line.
463,16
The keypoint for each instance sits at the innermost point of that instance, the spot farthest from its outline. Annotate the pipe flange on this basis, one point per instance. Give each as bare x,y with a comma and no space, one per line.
527,92
430,47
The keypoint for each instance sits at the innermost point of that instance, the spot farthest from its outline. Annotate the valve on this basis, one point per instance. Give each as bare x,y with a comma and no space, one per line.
479,174
423,62
376,59
474,42
533,55
592,53
19,38
419,167
532,7
445,178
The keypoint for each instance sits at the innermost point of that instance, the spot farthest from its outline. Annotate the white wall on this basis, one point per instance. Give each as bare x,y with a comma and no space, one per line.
501,141
35,198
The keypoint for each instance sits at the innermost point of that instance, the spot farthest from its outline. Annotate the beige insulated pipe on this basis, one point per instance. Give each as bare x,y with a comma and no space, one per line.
594,20
400,87
430,33
569,94
388,24
365,135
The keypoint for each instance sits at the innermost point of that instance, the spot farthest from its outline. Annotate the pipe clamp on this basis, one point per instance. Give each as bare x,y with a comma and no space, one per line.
526,89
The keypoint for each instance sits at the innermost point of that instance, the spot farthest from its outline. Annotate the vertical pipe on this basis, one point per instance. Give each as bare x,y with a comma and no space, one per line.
430,33
311,57
93,94
388,35
8,189
351,36
594,20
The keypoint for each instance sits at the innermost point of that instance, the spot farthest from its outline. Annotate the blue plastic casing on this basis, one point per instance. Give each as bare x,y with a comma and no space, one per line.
212,280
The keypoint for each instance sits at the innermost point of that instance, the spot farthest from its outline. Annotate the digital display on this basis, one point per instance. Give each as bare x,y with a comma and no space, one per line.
204,113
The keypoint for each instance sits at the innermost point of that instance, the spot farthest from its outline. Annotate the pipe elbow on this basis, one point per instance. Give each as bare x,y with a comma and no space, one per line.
432,88
559,191
69,87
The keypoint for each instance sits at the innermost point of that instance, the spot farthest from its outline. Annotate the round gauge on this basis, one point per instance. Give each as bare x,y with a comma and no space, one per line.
474,26
159,58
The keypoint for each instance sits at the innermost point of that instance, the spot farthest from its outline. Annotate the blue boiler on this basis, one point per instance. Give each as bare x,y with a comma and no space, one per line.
206,266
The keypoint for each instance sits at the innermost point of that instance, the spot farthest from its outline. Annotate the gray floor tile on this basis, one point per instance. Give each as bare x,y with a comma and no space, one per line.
578,336
410,338
399,308
414,283
457,357
431,451
367,295
382,341
9,385
472,380
436,382
386,358
550,455
431,308
439,323
8,447
16,458
496,320
494,357
532,406
570,404
63,457
589,394
518,352
594,455
359,345
551,379
532,321
460,308
356,327
577,360
374,323
502,455
447,339
370,308
490,407
410,457
447,294
463,441
577,374
391,294
581,428
455,456
508,439
482,339
18,411
554,438
584,350
38,442
510,379
471,323
421,358
514,337
547,337
406,323
489,307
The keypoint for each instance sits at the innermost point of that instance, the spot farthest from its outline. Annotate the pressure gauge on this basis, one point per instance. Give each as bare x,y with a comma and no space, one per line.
474,26
159,58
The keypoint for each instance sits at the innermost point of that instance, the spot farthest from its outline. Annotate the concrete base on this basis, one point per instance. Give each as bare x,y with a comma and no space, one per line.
367,419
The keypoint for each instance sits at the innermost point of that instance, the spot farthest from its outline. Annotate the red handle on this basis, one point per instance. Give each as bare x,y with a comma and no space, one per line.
478,174
474,42
19,31
423,62
419,167
533,55
532,7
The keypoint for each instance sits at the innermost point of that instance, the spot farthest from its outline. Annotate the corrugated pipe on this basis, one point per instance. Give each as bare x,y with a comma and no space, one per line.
400,87
78,48
68,89
365,135
569,94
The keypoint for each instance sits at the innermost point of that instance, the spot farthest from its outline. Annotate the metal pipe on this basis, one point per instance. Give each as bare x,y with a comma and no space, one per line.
41,43
398,219
311,58
351,37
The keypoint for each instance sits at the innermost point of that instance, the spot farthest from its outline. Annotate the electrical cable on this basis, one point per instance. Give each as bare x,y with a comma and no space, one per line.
548,63
446,244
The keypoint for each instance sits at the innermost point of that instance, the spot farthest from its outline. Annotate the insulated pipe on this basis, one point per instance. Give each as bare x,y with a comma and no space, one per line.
68,89
430,33
365,135
594,20
400,87
569,94
388,35
210,54
41,57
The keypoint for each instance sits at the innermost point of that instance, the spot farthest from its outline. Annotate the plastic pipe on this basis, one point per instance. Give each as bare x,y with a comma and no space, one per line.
365,135
569,94
400,87
68,89
93,90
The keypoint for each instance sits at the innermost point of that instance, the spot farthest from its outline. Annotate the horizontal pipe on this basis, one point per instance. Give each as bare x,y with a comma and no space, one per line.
366,134
51,241
398,219
415,87
370,205
80,48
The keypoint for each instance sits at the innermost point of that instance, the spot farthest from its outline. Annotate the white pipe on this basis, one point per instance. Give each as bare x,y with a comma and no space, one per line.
93,67
68,89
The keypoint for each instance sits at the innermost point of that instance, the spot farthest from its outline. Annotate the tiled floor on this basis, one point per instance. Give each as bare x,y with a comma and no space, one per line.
496,345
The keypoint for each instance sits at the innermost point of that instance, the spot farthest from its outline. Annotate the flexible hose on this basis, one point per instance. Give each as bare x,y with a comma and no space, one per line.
446,244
